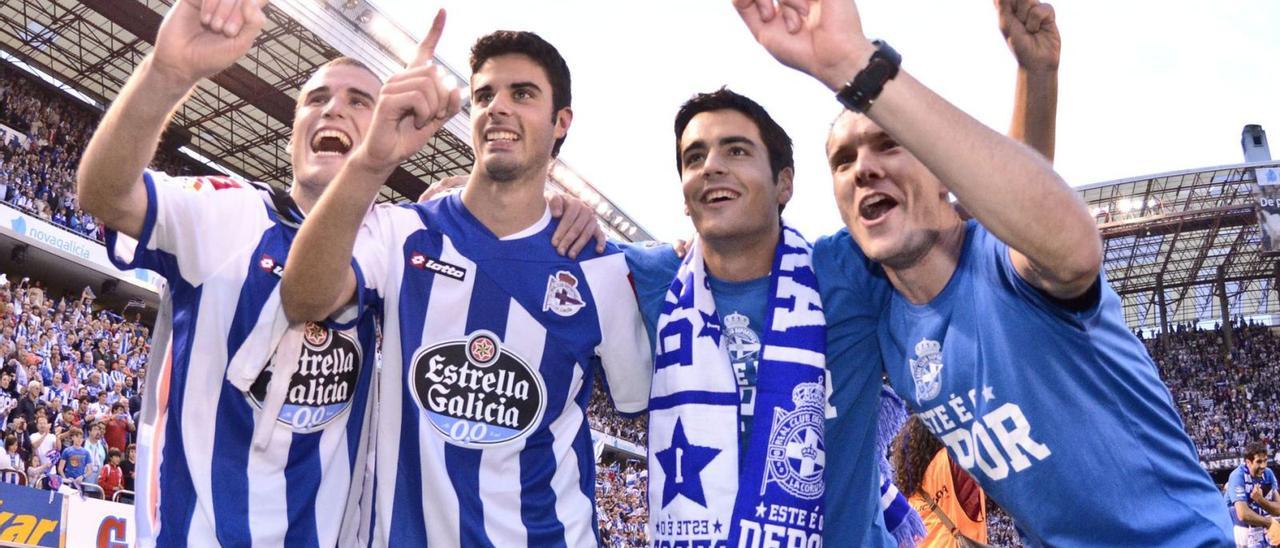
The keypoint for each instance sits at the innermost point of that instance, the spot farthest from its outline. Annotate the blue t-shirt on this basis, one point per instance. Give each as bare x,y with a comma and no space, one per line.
1059,414
77,459
852,300
740,306
1240,484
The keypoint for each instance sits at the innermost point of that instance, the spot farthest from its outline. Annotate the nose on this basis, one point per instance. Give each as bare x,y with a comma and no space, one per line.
867,168
499,105
336,107
714,164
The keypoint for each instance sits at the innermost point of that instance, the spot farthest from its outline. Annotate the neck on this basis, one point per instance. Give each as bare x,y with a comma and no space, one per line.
305,200
740,258
926,277
506,207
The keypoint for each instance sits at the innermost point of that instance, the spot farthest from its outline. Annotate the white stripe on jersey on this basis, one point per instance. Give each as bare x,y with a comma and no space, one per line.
572,504
506,528
266,505
623,332
445,319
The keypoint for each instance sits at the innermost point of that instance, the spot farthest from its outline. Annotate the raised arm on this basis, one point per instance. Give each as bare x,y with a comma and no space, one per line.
1005,185
109,178
1032,33
411,107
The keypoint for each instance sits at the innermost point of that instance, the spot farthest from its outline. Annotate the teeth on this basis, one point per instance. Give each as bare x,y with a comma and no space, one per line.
718,194
501,136
874,200
332,133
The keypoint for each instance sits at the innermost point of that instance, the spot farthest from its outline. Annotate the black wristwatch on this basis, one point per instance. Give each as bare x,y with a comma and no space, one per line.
865,87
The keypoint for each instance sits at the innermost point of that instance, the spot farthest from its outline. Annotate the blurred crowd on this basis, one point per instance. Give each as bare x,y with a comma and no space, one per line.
1225,404
621,506
70,389
37,171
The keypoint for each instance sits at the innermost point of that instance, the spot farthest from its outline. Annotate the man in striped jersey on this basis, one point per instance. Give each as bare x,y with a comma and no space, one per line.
482,439
237,450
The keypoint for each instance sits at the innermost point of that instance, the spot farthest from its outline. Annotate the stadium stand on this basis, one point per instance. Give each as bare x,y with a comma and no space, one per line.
1224,404
38,176
70,364
621,505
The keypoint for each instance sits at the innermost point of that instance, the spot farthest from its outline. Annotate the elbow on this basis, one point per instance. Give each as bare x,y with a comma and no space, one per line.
299,304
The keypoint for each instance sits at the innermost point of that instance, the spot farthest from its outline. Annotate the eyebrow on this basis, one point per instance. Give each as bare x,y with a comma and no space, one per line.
724,141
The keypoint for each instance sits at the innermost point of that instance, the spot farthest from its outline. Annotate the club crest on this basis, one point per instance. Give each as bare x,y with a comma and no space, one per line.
743,343
926,369
562,295
797,455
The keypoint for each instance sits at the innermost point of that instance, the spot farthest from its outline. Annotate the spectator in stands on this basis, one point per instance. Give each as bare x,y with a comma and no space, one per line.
111,476
37,470
97,448
12,459
127,466
74,464
27,405
117,427
44,443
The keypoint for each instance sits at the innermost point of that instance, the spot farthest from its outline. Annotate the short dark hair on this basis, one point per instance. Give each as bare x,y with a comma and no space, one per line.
528,44
344,61
112,453
1254,449
776,140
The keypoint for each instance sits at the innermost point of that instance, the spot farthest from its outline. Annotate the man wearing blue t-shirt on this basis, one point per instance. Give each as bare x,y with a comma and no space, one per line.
1251,496
1003,336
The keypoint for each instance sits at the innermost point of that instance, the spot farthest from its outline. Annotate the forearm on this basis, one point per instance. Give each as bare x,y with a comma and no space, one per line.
1035,110
110,171
1250,517
1012,190
319,269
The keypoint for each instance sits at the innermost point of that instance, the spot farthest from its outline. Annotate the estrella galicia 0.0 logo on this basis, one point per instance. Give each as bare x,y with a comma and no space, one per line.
323,386
475,392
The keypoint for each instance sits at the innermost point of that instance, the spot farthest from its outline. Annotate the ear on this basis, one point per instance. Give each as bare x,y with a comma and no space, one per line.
785,186
563,119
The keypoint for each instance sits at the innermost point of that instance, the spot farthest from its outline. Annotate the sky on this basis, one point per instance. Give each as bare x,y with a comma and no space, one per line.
1145,87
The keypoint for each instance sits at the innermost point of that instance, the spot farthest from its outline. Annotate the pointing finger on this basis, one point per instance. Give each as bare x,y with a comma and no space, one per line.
427,47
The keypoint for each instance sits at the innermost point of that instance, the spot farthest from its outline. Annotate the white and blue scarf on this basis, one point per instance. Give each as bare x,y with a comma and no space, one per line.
698,491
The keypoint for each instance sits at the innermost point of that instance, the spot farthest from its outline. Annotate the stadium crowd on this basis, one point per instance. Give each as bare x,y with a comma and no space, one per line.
38,176
69,389
603,418
1224,404
621,508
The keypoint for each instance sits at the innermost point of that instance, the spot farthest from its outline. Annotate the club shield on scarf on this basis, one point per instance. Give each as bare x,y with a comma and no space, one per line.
698,493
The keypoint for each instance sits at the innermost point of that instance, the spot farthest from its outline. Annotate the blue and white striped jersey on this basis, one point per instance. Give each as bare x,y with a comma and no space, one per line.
202,480
482,434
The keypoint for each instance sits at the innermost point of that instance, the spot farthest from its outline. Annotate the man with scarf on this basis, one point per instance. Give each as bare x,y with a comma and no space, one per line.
852,353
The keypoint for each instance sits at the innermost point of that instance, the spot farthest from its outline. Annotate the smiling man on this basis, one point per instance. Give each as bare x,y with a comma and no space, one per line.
488,333
1001,333
236,456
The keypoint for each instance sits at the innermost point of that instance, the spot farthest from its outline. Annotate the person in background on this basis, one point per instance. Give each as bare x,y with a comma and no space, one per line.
947,498
110,478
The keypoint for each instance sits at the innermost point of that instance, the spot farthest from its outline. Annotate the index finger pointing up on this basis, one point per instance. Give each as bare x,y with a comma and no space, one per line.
427,47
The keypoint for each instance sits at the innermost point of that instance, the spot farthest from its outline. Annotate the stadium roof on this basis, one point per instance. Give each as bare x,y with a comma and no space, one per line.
1183,234
242,117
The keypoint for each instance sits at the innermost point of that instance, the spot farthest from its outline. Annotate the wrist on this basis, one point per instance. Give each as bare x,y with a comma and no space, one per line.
368,169
856,58
164,81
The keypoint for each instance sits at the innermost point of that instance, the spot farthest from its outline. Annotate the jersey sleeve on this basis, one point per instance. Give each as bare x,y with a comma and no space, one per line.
626,355
996,265
370,258
192,225
653,266
1235,488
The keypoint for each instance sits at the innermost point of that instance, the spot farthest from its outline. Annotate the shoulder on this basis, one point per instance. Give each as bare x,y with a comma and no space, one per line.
649,256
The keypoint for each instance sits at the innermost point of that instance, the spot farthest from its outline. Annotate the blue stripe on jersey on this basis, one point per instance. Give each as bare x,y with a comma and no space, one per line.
538,460
489,309
407,521
302,478
586,456
233,427
177,492
230,467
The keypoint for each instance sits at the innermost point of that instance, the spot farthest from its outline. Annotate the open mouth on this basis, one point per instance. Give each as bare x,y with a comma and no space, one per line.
719,196
330,142
500,135
875,206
